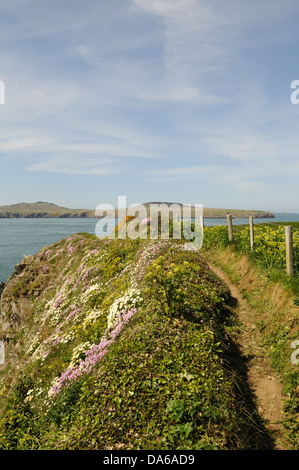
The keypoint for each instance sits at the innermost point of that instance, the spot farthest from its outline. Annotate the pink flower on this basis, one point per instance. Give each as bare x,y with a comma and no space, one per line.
58,302
75,285
71,249
94,354
86,273
45,268
73,312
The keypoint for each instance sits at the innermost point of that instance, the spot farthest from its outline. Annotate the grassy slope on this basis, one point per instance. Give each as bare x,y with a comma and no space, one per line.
168,378
44,209
274,295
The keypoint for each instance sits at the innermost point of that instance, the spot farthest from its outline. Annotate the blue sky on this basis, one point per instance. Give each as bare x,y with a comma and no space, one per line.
174,100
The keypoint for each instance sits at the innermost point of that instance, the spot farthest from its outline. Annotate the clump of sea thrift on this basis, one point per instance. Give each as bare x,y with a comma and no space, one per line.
131,299
92,355
93,252
45,268
71,249
58,302
73,312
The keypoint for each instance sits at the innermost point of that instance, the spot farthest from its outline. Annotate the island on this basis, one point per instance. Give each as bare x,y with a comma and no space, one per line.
42,209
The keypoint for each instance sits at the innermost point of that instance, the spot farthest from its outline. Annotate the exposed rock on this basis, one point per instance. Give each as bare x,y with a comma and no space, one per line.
2,287
27,260
15,309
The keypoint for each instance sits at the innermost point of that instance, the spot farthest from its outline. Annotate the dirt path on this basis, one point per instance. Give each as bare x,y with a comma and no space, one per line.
265,385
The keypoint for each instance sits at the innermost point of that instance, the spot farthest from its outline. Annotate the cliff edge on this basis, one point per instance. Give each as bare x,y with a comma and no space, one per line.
120,344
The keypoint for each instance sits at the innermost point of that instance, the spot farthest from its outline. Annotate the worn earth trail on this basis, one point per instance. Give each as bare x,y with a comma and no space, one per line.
262,379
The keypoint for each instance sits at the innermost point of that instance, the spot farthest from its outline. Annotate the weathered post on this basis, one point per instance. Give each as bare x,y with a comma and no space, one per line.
289,250
251,232
230,228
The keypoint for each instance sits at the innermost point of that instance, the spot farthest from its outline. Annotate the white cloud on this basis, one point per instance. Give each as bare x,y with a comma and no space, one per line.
83,51
182,88
165,8
244,147
183,171
75,166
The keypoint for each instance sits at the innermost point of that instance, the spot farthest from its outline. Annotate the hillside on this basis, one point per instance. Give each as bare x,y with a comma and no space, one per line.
122,344
45,209
41,209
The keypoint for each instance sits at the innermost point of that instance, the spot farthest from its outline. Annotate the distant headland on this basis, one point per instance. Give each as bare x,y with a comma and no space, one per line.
42,209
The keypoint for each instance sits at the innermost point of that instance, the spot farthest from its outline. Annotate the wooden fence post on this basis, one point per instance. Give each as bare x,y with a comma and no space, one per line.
251,232
230,228
289,250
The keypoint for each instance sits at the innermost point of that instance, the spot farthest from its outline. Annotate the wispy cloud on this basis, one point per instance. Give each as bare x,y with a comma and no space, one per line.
75,166
159,91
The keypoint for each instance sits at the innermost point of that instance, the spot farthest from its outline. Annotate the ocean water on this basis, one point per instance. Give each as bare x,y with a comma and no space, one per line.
241,221
19,237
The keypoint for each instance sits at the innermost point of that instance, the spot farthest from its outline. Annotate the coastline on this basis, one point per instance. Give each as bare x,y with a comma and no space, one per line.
45,210
257,215
29,235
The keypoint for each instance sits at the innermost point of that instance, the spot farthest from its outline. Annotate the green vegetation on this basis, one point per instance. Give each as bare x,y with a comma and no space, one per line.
125,345
41,209
261,277
269,251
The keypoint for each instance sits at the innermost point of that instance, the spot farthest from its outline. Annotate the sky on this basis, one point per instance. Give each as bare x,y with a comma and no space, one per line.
154,100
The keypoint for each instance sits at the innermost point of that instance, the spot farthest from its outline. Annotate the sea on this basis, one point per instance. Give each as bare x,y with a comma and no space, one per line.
27,236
